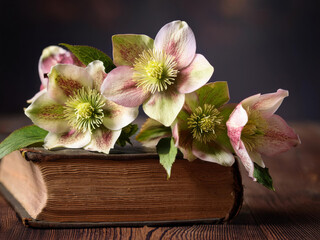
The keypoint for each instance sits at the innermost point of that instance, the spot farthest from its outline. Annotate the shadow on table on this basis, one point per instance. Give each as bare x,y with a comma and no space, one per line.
295,215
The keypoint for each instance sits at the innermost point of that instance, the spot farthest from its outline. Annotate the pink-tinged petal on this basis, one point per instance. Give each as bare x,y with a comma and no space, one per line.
103,140
164,106
195,75
65,80
116,116
212,152
269,103
71,139
278,138
175,133
237,120
127,47
97,71
250,101
222,133
37,95
42,87
121,89
245,158
47,114
51,56
177,39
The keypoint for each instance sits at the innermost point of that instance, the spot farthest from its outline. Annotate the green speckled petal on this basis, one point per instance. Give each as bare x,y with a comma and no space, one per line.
103,140
127,47
71,139
47,114
65,80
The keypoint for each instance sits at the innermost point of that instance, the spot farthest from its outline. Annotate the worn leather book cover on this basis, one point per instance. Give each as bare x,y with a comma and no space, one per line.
77,188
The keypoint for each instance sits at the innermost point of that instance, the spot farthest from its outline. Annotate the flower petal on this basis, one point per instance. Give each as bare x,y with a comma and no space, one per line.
71,139
187,153
214,93
47,114
245,158
221,132
278,138
190,104
127,47
164,106
183,140
37,95
177,39
181,133
151,132
96,70
116,116
237,120
51,56
256,157
268,104
250,101
175,133
103,140
65,80
121,89
195,75
212,152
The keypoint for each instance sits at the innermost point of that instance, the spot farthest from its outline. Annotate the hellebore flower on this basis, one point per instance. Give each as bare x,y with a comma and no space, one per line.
75,112
254,129
50,57
199,130
156,73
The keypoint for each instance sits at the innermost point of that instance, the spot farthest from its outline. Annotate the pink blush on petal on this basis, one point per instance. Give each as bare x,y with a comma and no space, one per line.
68,86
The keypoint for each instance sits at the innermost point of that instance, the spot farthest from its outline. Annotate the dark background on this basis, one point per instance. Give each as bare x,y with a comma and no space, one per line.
257,46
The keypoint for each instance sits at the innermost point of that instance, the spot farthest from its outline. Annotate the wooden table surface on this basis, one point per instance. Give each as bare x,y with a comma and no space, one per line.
292,212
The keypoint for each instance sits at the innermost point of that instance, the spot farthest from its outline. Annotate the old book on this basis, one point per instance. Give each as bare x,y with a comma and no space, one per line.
76,188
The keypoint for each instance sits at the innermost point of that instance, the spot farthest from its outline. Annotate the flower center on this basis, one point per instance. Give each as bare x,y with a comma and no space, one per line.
204,123
254,130
84,111
154,70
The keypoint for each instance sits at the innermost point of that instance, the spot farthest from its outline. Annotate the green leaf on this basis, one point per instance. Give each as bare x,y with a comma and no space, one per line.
87,54
126,133
22,137
263,177
167,153
152,131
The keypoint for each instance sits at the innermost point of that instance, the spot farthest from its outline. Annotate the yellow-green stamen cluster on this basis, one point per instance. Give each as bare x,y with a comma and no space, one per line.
254,130
154,70
83,111
204,122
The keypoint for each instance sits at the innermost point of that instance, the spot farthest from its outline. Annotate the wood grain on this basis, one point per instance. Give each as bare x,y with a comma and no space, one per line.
292,212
